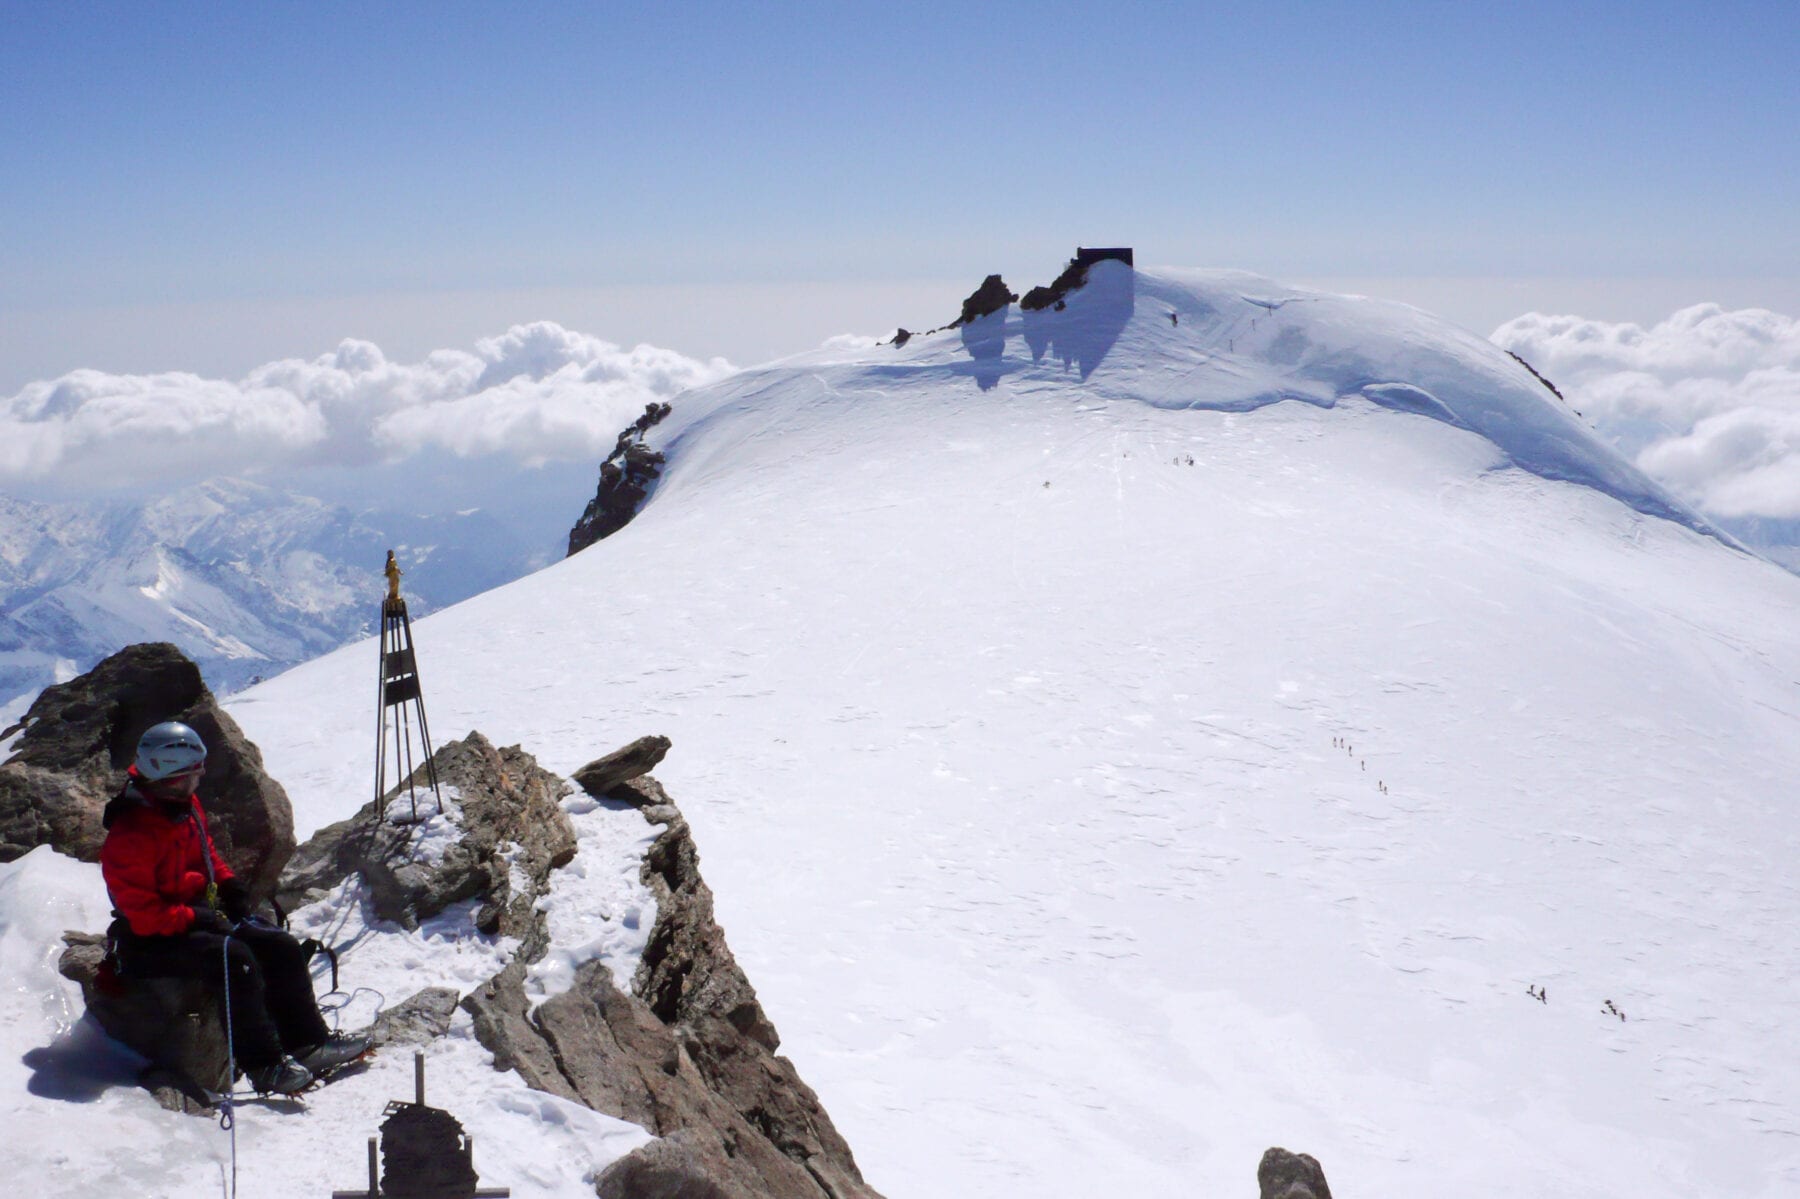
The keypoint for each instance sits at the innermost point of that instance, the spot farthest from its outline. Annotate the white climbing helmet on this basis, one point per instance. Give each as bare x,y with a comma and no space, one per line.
169,749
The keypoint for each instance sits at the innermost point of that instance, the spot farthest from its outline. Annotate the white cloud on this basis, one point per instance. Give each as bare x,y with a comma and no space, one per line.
851,341
537,393
1708,401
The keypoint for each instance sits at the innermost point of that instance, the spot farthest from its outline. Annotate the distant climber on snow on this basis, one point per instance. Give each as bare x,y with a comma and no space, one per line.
180,912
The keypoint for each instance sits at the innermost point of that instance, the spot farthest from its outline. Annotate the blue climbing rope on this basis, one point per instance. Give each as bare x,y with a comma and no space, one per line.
227,1114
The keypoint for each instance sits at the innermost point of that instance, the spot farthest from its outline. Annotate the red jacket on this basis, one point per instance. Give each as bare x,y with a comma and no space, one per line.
153,861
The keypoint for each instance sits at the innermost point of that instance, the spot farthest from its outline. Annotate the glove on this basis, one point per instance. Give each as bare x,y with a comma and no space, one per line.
208,921
234,900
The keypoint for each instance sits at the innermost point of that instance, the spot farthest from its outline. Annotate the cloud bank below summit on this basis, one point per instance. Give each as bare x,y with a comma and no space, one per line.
1706,401
538,393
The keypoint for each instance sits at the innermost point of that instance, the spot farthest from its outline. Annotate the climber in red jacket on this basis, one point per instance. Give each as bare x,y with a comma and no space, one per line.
182,913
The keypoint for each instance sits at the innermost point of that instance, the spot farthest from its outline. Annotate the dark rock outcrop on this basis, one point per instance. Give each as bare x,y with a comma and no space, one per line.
510,816
992,296
1074,275
1535,375
902,335
79,737
601,776
688,974
688,1053
174,1023
1284,1175
625,480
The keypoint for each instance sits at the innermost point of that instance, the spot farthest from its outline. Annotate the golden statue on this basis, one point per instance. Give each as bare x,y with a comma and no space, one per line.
393,573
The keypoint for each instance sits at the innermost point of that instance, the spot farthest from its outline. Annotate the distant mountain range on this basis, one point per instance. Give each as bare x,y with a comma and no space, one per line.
249,579
252,577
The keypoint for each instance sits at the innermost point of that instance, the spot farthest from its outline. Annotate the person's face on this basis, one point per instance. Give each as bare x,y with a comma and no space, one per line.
175,786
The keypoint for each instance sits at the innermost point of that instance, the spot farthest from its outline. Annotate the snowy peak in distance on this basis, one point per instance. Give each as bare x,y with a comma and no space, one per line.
1232,341
1202,718
247,579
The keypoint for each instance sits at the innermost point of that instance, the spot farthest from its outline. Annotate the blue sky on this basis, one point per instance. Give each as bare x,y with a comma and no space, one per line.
309,159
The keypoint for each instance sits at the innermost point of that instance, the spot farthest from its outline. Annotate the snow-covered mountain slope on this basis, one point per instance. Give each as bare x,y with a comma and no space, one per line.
1126,738
247,579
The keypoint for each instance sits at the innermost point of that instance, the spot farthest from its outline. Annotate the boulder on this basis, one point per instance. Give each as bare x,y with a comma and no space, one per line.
599,777
501,813
679,1166
1284,1175
172,1023
80,736
419,1020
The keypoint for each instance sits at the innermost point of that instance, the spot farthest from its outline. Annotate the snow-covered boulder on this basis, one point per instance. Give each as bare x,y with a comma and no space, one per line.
79,737
498,838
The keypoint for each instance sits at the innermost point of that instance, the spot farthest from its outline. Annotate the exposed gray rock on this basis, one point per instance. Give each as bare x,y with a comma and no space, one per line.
80,736
687,972
688,1053
1284,1175
682,1165
510,817
505,1025
599,777
421,1019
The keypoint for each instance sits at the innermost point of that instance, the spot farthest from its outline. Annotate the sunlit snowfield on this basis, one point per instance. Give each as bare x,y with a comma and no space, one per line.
1091,818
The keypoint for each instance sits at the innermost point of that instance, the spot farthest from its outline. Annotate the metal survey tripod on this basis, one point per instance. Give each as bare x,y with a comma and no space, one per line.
399,688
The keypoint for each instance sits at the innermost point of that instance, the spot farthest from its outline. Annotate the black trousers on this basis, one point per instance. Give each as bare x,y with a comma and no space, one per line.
273,1010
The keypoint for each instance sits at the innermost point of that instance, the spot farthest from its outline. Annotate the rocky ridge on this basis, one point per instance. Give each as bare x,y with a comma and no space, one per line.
625,481
683,1048
687,1051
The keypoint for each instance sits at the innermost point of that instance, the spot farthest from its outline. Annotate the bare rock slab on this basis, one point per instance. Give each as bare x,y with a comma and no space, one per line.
600,777
419,1020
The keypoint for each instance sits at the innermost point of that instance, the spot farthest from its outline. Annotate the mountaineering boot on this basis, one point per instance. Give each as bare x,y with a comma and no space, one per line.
333,1051
283,1078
